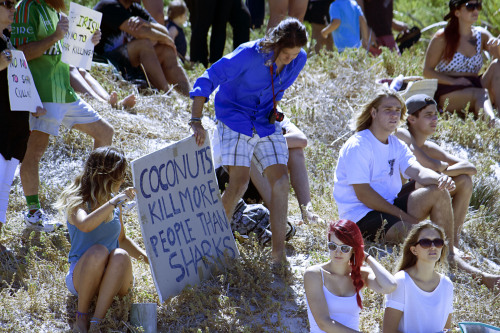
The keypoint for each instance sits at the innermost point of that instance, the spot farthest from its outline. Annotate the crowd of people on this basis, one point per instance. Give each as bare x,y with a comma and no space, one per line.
255,142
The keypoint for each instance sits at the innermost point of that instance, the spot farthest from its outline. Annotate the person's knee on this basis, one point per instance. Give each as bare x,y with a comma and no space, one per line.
105,135
119,258
166,55
97,256
463,183
281,183
438,196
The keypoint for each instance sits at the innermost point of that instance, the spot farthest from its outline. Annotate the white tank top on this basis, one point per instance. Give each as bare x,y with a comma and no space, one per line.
462,64
344,310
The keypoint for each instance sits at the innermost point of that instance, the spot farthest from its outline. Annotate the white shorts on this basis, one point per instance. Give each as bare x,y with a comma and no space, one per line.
68,114
238,149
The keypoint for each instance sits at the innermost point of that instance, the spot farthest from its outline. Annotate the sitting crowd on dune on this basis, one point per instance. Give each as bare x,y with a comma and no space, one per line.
254,143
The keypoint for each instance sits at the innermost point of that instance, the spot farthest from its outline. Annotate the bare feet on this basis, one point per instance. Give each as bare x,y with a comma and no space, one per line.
128,102
491,281
82,322
113,98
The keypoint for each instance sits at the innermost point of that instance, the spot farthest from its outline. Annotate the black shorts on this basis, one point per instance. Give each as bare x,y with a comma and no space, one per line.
119,58
318,11
375,221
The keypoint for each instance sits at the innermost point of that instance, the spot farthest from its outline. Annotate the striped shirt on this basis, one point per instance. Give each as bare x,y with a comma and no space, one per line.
34,21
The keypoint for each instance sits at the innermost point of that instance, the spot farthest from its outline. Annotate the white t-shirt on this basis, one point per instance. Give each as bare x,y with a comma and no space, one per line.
423,311
363,159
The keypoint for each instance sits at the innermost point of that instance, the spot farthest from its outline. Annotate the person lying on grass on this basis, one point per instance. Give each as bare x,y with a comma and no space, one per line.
100,251
333,289
423,300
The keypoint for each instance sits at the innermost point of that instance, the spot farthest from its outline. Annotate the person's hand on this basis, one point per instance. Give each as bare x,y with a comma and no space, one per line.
5,58
445,182
199,133
127,194
96,37
62,27
39,112
461,81
134,23
324,33
493,42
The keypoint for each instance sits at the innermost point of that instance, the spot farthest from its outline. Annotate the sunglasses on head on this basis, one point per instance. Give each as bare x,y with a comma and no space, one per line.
8,4
343,248
471,6
427,243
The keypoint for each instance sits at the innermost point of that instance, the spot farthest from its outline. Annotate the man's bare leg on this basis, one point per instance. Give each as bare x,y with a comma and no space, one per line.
142,51
173,71
460,202
100,130
277,175
37,144
238,183
436,203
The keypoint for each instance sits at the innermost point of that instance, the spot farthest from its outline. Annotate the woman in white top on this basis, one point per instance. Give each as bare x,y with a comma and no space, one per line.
423,300
333,289
454,57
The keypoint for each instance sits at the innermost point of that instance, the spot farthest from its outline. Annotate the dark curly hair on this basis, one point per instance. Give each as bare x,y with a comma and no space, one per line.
289,33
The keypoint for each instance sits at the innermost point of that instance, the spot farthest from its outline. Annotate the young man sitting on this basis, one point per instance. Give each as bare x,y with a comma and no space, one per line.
422,121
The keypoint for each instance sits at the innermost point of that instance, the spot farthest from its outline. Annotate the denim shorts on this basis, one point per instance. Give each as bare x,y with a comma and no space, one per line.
69,279
68,114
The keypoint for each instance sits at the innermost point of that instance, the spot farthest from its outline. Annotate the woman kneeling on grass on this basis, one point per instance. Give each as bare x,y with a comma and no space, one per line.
100,251
333,289
423,300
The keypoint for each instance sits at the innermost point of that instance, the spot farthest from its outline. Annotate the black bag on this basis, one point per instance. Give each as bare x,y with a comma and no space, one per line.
407,38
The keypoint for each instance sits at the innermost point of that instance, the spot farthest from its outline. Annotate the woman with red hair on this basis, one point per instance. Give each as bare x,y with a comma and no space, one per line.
333,288
454,57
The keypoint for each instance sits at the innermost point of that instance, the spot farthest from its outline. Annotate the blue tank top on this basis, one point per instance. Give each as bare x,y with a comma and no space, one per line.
105,234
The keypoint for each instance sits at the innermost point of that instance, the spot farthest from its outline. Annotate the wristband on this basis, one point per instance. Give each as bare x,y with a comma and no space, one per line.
194,120
367,256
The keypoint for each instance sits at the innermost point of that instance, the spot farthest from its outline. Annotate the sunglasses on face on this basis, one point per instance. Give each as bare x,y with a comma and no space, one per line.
8,4
471,6
427,243
343,248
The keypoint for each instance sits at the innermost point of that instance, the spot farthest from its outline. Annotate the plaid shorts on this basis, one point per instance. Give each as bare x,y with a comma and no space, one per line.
240,150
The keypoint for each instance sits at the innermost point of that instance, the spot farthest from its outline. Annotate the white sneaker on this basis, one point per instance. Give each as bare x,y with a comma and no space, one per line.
40,221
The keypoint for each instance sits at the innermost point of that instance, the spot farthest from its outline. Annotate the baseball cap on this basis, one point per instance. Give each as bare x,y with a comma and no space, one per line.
454,4
418,102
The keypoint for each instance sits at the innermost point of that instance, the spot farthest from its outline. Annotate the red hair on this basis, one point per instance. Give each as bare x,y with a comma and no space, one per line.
451,37
348,233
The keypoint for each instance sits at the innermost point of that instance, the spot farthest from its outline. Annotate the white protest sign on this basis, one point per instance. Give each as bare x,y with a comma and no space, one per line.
183,222
22,90
77,47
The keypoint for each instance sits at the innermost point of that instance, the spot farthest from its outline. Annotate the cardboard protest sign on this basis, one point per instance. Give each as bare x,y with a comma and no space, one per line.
22,90
77,47
183,222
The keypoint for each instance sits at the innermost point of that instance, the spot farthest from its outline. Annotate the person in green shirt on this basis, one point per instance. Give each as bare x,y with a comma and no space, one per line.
37,30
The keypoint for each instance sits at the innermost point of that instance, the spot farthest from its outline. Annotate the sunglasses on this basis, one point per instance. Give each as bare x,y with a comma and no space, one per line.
471,6
8,4
427,243
343,248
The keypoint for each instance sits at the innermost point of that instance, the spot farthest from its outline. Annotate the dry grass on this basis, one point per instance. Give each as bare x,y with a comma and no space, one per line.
247,296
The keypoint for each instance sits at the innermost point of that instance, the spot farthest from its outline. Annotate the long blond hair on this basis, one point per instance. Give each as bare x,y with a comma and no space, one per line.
364,118
104,168
408,259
